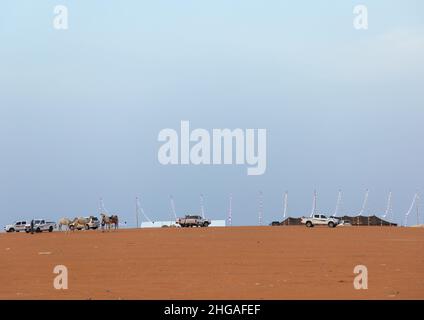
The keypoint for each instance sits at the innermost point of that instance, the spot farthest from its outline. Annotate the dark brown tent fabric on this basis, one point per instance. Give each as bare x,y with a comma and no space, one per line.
291,222
367,221
354,221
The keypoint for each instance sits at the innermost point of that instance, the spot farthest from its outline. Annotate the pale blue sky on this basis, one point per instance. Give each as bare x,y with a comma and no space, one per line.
80,109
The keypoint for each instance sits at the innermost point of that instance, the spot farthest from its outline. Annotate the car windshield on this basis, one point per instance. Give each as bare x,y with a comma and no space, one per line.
36,221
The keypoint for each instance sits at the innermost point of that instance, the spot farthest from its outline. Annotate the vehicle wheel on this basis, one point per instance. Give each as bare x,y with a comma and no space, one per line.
27,231
331,224
51,229
309,224
11,230
71,228
38,230
206,224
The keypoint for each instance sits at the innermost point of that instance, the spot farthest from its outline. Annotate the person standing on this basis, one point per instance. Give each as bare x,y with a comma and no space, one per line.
32,226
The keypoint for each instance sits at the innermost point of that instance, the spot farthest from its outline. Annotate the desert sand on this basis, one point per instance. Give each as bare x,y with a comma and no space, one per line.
215,263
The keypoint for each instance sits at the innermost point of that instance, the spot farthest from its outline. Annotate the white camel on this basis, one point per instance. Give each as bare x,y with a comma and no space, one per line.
78,222
64,222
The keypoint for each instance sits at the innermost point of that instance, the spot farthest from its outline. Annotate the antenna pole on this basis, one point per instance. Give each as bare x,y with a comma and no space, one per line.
364,204
410,208
100,205
140,209
171,199
286,201
260,213
202,207
230,211
417,207
136,212
314,203
102,208
339,200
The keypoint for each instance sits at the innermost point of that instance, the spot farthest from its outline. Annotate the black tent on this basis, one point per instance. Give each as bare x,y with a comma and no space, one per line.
353,220
367,221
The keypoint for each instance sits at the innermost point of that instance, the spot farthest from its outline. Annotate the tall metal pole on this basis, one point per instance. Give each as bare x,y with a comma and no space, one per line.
171,199
140,209
364,204
417,205
260,213
339,200
202,207
230,211
389,210
410,208
102,206
314,203
136,212
285,202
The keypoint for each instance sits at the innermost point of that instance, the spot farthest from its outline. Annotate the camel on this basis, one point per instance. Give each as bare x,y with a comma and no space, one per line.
115,220
108,221
64,222
80,221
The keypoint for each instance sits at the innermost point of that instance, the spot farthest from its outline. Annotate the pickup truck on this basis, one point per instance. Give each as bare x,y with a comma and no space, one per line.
16,227
193,221
41,225
319,219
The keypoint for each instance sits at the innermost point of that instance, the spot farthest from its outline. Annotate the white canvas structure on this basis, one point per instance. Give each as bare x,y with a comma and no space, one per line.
160,224
218,223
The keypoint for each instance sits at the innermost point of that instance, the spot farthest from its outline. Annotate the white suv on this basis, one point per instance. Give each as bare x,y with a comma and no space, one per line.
16,227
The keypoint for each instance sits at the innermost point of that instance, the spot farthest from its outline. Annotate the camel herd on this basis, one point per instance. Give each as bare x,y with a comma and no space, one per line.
87,223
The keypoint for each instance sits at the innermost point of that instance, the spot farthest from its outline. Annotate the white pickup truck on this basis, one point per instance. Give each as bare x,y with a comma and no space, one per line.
41,225
193,221
16,227
319,219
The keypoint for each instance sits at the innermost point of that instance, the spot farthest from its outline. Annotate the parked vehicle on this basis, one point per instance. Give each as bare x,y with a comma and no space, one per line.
343,223
275,223
193,221
319,219
41,225
15,227
93,223
86,223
